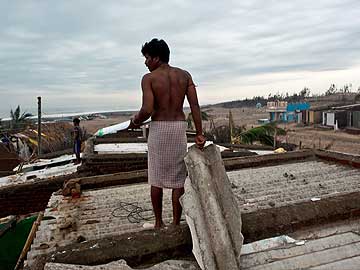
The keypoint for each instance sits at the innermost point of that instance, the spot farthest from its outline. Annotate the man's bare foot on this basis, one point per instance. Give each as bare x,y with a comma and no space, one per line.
173,227
159,225
175,224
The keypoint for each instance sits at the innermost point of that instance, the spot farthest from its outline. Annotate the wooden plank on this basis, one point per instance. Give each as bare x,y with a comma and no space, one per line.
313,259
291,250
29,240
347,264
340,158
266,160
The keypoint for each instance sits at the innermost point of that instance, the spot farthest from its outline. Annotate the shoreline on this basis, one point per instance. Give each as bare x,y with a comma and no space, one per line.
54,116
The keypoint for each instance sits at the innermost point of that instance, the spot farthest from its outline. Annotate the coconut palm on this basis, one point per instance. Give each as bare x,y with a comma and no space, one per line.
17,119
264,134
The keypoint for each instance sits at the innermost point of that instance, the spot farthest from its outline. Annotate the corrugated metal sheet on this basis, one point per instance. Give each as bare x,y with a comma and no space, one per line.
356,119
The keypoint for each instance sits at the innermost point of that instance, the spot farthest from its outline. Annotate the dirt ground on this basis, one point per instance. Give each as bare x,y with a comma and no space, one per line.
91,126
241,116
309,136
220,116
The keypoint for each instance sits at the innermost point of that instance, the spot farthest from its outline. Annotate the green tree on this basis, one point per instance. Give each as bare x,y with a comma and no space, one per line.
264,134
18,120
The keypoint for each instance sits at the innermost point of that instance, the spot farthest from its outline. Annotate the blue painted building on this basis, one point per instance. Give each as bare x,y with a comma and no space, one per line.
284,112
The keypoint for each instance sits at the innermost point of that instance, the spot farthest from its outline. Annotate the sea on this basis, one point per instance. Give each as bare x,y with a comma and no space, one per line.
57,112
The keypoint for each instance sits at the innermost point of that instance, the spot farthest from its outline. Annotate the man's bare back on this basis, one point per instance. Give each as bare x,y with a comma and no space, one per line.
164,90
169,86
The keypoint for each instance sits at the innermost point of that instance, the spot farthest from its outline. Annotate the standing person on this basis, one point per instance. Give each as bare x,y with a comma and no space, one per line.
164,90
5,140
77,138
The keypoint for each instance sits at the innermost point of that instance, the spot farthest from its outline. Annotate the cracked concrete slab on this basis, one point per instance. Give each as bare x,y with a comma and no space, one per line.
122,265
211,211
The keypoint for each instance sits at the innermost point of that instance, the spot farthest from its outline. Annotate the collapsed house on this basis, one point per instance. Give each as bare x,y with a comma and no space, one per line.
298,210
19,148
292,205
8,160
102,156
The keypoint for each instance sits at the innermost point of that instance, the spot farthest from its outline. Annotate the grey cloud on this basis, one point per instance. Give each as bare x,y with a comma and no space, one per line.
93,46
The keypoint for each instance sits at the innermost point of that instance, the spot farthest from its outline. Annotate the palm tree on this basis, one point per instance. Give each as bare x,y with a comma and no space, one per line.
17,119
189,119
265,134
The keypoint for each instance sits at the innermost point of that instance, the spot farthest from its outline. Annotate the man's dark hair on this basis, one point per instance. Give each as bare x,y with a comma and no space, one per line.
156,48
76,121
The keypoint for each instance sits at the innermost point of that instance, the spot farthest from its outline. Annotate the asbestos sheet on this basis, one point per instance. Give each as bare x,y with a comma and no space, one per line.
39,174
126,148
211,211
113,129
117,127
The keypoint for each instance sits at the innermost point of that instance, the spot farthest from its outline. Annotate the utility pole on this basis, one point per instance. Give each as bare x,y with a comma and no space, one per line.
275,138
39,126
231,127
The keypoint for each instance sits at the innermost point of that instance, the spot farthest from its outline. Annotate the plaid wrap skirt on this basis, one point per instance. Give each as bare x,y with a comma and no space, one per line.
167,146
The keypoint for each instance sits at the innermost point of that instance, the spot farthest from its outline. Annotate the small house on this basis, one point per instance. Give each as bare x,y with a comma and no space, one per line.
342,117
288,112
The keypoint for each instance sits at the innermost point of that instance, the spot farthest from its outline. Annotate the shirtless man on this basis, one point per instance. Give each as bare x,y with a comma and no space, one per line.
164,90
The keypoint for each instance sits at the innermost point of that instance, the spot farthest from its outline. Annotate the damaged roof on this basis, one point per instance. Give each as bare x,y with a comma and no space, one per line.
279,192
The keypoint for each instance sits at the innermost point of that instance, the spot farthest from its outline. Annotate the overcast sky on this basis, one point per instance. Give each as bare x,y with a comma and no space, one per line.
86,54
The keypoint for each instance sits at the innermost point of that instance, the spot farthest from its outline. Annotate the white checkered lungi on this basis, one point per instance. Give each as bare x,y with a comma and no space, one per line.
167,146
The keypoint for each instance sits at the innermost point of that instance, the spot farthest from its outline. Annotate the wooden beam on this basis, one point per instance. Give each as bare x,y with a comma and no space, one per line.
150,246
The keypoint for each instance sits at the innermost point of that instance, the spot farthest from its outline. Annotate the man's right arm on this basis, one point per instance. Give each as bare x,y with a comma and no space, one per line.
191,96
147,107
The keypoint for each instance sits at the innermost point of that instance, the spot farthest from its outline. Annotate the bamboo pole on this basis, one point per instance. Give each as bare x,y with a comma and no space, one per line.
29,240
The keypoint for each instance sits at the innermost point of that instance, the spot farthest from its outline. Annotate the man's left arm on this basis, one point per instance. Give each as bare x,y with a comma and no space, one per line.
147,103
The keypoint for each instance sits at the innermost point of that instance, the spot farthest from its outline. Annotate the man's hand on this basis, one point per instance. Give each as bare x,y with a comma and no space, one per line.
200,141
133,125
